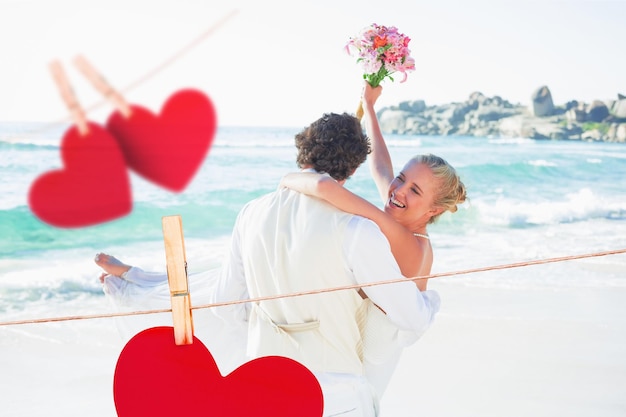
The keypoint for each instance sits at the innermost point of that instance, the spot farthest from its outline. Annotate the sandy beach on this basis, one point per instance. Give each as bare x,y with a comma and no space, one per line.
543,354
491,352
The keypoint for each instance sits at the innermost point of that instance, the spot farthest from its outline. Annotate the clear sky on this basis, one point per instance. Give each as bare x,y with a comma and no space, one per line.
282,63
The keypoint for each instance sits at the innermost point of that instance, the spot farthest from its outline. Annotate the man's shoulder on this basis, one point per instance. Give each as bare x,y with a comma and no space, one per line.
258,200
357,221
364,227
254,206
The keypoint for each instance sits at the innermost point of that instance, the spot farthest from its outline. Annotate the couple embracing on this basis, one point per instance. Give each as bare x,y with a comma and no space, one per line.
312,234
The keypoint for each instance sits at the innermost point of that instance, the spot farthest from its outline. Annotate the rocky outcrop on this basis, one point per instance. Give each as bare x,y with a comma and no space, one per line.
480,115
597,111
542,102
618,108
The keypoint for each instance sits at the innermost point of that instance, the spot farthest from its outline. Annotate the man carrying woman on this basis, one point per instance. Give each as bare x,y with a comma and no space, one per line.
287,242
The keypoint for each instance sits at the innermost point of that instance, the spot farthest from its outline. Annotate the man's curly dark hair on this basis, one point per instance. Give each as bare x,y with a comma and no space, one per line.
334,144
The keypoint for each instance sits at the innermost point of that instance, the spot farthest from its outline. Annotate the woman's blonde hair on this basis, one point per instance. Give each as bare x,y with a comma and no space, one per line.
451,190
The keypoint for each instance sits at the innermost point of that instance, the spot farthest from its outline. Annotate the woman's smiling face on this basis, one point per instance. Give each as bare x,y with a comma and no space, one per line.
412,195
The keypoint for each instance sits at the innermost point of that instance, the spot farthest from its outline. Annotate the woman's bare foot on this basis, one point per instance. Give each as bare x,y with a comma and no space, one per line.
111,264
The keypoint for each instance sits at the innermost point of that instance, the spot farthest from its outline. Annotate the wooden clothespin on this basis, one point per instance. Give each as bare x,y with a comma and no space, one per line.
177,279
102,85
68,97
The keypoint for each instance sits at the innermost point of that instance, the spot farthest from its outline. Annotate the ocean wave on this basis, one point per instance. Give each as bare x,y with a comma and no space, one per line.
28,144
15,299
28,134
542,163
510,175
404,142
582,205
23,234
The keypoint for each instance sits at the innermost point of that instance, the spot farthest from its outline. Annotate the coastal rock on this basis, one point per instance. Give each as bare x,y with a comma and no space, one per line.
542,102
512,126
491,113
576,115
484,116
572,104
617,132
455,112
542,128
620,134
597,111
619,108
592,135
476,98
415,106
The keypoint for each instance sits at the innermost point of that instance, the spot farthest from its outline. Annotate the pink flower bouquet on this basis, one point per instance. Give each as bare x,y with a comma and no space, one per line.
381,51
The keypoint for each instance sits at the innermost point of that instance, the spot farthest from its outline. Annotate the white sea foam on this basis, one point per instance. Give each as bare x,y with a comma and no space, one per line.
578,206
542,163
507,141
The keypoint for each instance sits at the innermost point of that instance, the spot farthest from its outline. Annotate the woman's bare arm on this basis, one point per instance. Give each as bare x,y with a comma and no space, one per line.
324,187
380,163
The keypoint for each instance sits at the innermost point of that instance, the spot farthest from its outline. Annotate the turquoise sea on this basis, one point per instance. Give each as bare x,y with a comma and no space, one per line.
529,200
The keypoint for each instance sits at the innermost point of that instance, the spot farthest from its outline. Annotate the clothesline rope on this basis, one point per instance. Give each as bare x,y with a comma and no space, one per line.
301,293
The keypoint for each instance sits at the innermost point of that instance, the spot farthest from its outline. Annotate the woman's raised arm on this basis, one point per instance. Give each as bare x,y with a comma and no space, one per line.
380,163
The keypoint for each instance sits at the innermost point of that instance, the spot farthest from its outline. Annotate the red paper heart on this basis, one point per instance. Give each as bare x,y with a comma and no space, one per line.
94,186
167,149
154,377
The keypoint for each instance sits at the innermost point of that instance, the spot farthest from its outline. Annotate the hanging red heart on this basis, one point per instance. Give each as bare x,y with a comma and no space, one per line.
167,149
154,377
93,188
